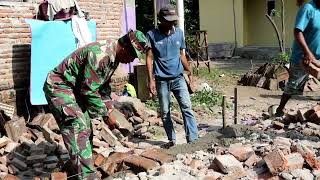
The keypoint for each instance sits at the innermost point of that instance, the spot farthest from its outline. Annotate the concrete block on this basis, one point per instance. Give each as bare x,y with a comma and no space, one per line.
36,159
19,164
51,159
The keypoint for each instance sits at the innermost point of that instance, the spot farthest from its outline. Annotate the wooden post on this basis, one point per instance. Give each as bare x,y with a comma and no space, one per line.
224,104
141,82
235,105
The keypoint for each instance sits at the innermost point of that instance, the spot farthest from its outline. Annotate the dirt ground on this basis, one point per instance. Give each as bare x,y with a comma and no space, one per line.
252,101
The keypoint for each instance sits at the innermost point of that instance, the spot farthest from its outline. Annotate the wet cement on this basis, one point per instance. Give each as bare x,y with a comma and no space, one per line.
222,138
227,136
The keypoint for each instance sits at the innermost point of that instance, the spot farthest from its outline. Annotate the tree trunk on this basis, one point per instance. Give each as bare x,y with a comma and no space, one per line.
283,27
277,32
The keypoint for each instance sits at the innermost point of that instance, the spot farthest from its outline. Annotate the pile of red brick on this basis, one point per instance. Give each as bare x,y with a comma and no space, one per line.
38,150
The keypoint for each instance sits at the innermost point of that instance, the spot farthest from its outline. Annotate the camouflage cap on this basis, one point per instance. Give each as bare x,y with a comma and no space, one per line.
139,42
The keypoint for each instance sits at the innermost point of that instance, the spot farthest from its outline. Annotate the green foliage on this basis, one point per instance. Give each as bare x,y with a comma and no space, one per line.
283,58
206,99
145,13
191,15
152,104
200,99
214,75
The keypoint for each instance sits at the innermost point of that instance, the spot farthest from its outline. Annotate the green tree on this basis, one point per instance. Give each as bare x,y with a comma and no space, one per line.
145,17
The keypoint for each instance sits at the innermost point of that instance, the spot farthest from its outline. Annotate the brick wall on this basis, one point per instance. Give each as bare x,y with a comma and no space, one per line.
15,39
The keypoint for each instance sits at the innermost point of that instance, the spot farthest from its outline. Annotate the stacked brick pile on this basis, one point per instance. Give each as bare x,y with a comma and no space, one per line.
38,150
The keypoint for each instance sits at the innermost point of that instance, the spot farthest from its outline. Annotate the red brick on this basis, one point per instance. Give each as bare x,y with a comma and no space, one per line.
268,176
241,152
10,177
58,176
276,161
3,168
114,162
158,155
196,164
140,163
4,141
99,160
251,161
228,164
210,178
295,161
108,136
308,156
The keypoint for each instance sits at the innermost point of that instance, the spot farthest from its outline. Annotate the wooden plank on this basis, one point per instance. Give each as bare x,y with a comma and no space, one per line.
141,82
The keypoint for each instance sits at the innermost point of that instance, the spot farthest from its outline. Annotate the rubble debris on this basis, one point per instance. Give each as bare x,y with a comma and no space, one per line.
268,76
108,136
114,163
241,152
261,149
7,109
15,128
294,161
158,155
228,164
139,163
277,125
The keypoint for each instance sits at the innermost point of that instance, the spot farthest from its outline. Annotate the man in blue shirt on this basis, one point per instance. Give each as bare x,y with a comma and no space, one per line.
305,50
166,61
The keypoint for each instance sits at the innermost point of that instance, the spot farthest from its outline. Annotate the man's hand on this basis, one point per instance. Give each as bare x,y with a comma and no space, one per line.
111,121
152,86
191,84
308,58
191,87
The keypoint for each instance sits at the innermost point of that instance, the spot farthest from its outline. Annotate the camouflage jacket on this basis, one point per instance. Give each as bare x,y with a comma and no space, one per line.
87,71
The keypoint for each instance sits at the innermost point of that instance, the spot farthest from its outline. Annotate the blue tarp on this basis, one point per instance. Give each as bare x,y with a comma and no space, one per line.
51,42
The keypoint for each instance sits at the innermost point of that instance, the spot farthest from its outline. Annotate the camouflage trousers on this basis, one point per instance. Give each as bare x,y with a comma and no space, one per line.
75,127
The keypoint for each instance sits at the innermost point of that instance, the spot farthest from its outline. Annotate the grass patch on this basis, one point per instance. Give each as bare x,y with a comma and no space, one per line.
153,104
200,99
206,99
215,74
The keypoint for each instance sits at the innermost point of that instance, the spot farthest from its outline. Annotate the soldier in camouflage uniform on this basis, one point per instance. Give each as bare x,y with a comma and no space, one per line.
75,90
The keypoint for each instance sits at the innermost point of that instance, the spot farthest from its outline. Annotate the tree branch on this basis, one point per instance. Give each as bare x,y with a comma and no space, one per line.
277,32
283,27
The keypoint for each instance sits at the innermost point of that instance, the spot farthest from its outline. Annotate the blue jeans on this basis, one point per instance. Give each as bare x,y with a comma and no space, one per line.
180,90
